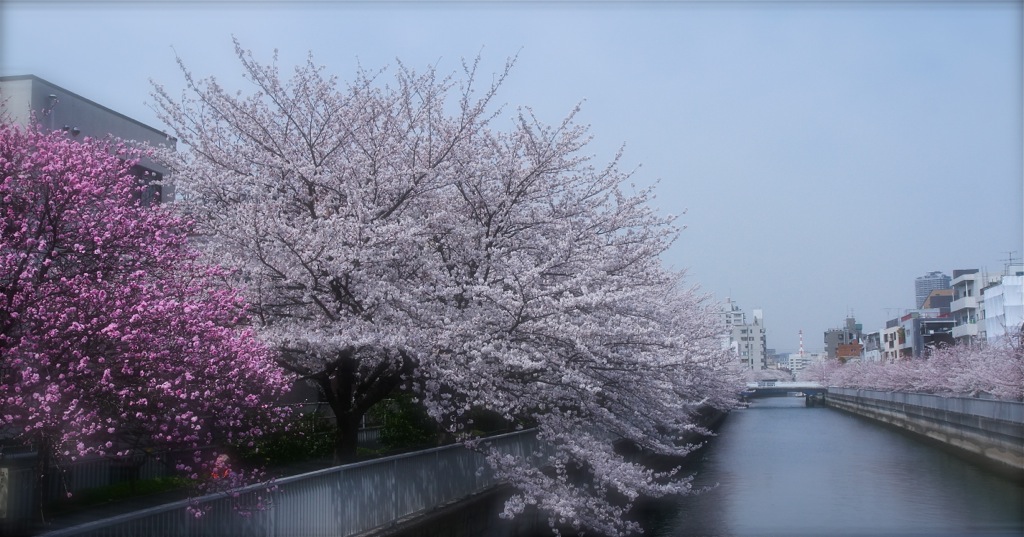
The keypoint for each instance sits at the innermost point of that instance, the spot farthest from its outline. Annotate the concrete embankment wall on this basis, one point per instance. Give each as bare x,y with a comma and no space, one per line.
988,431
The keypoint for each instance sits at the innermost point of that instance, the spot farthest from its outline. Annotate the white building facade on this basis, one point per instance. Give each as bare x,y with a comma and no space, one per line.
800,361
1003,307
894,340
966,306
747,341
872,347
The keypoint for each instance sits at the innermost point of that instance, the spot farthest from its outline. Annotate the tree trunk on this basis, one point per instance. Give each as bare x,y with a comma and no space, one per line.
351,389
346,438
42,471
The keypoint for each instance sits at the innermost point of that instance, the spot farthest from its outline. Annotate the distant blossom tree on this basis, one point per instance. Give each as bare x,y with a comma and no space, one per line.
820,371
754,375
970,369
390,235
113,336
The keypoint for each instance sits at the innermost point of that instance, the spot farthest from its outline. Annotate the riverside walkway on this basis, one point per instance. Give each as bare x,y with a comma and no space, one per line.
342,501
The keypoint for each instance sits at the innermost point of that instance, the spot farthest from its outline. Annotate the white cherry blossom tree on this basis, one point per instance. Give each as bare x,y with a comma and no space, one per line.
574,321
391,234
323,198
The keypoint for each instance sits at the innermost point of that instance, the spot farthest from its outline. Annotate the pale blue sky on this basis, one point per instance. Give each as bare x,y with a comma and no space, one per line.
826,153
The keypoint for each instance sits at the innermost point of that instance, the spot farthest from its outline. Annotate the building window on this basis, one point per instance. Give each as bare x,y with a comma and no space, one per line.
150,192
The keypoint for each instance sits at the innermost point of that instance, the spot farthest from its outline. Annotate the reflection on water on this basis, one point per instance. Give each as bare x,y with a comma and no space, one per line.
779,468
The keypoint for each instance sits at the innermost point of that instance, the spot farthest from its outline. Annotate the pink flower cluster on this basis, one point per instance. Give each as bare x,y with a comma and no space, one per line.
113,336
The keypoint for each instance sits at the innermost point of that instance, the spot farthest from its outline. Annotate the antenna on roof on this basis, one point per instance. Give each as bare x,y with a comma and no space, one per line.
1009,262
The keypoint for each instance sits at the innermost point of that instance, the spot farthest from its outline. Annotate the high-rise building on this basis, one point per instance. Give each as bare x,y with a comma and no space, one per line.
924,285
732,314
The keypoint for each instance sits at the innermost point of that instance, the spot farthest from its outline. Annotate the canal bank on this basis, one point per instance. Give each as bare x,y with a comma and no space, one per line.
989,432
783,467
779,467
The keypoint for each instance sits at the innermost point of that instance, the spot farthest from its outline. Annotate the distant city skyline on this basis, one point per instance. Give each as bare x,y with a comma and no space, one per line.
821,155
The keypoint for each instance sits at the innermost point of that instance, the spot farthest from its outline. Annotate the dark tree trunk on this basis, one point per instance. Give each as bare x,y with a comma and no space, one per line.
43,481
346,438
351,388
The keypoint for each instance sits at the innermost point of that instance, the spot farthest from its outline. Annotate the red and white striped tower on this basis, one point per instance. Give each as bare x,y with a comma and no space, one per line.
801,344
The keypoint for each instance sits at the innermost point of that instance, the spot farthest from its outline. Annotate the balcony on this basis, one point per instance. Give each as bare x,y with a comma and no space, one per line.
967,302
965,280
965,330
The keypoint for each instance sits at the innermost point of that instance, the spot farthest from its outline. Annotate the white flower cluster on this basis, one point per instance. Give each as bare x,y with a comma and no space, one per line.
391,234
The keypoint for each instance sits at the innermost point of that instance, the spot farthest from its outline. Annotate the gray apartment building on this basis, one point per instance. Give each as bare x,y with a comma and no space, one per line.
28,98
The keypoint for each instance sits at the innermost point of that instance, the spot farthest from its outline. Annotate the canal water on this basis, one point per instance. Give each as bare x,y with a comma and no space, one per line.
780,468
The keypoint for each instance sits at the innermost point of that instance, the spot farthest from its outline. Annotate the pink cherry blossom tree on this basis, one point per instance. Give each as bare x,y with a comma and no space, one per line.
390,234
967,369
820,371
767,374
113,336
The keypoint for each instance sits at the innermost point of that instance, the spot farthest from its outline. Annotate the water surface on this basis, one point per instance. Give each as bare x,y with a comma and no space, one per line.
780,468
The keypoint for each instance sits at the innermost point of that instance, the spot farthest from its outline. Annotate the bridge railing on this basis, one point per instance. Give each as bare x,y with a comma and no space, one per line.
337,502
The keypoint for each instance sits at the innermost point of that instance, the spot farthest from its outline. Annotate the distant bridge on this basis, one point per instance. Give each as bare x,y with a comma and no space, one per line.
771,388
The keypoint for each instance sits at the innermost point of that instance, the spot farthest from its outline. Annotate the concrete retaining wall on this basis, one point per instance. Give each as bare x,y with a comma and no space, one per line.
987,430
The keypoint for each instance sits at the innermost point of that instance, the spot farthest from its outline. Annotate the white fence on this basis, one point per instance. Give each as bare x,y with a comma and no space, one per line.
337,502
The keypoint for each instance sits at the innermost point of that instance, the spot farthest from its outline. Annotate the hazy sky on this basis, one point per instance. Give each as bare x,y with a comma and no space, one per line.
826,153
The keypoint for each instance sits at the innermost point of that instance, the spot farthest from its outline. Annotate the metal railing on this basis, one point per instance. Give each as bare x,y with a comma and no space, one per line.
993,409
19,474
340,501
